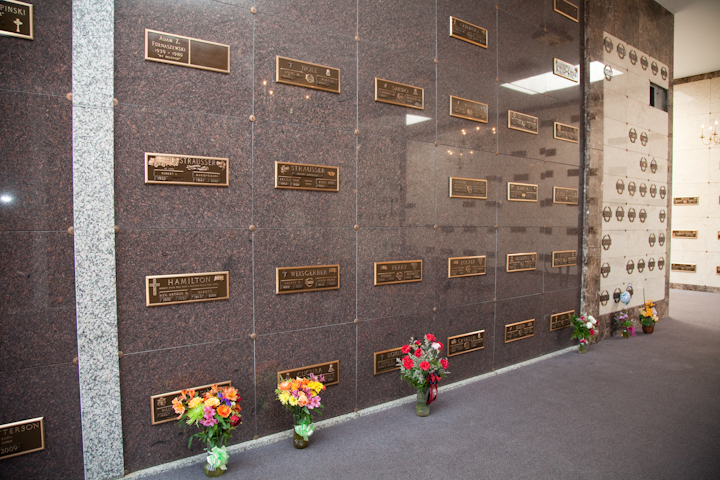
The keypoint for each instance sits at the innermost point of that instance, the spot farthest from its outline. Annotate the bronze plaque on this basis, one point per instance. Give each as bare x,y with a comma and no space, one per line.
384,361
522,122
468,188
686,201
387,273
310,278
186,288
566,133
300,176
308,75
519,330
522,192
565,258
717,270
399,94
521,262
566,70
567,9
19,438
16,20
466,266
684,234
468,32
469,110
329,370
161,409
174,169
467,342
186,51
683,267
567,196
561,320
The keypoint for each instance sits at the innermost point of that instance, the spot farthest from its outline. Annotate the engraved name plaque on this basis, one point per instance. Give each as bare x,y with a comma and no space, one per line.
399,94
468,32
173,169
566,70
186,51
567,9
519,330
466,266
387,273
330,370
469,110
312,278
308,75
467,342
300,176
567,133
522,122
468,188
684,234
16,20
566,258
683,267
19,438
566,196
561,320
522,192
186,288
521,262
686,201
161,409
385,361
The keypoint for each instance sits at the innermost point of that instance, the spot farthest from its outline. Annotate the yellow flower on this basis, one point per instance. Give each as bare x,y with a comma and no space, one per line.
293,401
284,397
194,402
212,401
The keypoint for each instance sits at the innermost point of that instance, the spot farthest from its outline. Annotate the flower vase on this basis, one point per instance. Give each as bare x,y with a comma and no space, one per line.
209,470
583,348
422,409
625,333
648,329
300,441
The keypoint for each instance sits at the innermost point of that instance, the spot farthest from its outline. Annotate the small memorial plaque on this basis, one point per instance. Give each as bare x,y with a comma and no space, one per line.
467,342
16,20
684,234
522,192
521,262
186,288
469,110
519,330
561,320
387,273
566,70
651,264
466,266
661,239
300,176
567,9
468,32
161,409
385,361
717,270
661,263
186,51
663,191
522,122
308,75
686,201
683,267
173,169
399,94
566,133
19,438
644,62
468,188
605,270
604,297
329,370
565,258
566,196
312,278
653,166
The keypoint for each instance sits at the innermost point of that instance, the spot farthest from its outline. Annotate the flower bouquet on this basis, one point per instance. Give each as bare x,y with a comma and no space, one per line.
584,327
218,410
624,323
422,369
302,396
648,316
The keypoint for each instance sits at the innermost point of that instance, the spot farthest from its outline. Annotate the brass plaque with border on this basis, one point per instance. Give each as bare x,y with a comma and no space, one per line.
468,32
686,201
522,122
566,70
186,51
186,288
521,262
561,320
566,133
385,361
522,192
330,370
474,188
19,438
387,273
564,258
684,234
172,169
161,409
465,343
399,94
469,110
566,196
16,20
301,176
567,9
466,266
308,75
683,267
311,278
519,330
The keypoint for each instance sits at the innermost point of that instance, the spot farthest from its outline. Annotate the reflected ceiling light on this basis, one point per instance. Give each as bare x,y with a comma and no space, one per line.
264,82
548,82
270,92
6,198
413,119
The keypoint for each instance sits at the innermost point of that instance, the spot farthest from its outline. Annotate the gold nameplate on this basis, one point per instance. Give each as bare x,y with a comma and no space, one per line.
466,266
308,75
565,258
522,122
300,176
468,32
312,278
684,234
186,51
683,267
384,361
567,9
387,273
399,94
469,110
566,133
686,201
561,320
519,330
468,188
330,370
186,288
161,409
19,438
567,196
566,70
16,20
467,342
173,169
521,262
522,192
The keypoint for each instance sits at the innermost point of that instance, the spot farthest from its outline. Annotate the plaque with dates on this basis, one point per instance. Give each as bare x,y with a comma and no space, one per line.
522,122
684,234
519,330
186,51
567,9
161,409
467,342
399,94
170,169
521,262
561,320
566,70
330,370
16,20
300,176
566,133
186,288
566,196
309,75
686,201
683,267
385,361
313,278
522,192
468,188
469,110
19,438
387,273
466,266
468,32
565,258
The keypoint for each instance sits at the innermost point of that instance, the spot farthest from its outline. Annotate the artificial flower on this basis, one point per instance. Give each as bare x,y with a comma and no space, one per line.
418,352
231,394
417,342
436,345
405,349
430,337
592,332
302,400
284,386
408,362
445,364
589,324
194,402
178,406
235,421
212,402
224,411
424,365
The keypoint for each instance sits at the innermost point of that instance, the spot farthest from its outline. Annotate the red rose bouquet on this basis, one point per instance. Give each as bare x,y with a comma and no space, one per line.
421,367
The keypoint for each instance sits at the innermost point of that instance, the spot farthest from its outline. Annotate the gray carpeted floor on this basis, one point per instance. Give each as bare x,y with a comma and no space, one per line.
647,407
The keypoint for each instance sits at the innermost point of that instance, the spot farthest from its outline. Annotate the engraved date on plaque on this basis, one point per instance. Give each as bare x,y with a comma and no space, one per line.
522,122
468,188
521,262
685,234
469,110
468,32
566,133
566,70
311,278
399,94
467,342
567,9
565,258
686,201
329,370
19,438
16,20
683,267
566,196
522,192
308,75
186,51
466,266
386,361
561,320
161,409
387,273
300,176
186,288
519,330
169,169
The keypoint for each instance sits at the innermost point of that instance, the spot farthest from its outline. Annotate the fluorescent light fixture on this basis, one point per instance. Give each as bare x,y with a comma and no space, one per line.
548,82
413,119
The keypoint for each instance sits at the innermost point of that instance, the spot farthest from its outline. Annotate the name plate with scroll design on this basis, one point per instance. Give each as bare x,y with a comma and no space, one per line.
161,409
385,361
521,262
466,266
686,201
522,192
561,320
387,273
469,110
566,70
523,122
300,176
566,133
309,75
467,342
311,278
19,438
16,20
683,267
186,288
519,330
567,9
186,51
399,94
468,32
566,196
685,234
330,370
565,258
171,169
474,188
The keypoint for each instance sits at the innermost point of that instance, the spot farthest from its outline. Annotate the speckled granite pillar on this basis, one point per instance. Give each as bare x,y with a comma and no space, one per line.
94,218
